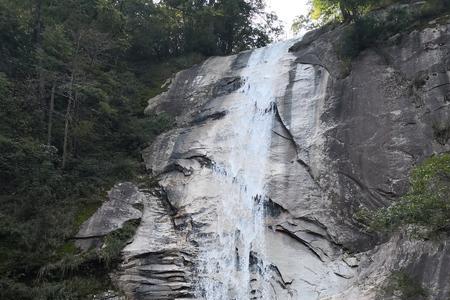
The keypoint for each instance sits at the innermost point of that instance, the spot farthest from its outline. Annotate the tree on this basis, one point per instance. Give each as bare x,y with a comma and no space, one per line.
302,23
236,29
348,10
224,26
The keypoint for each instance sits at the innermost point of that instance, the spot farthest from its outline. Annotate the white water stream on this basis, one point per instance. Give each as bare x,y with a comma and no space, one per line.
228,264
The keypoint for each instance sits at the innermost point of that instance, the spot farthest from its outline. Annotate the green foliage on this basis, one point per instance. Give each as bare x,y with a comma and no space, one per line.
115,242
85,211
4,85
351,10
206,27
425,206
405,287
324,9
346,9
303,22
75,78
76,275
74,263
367,30
77,288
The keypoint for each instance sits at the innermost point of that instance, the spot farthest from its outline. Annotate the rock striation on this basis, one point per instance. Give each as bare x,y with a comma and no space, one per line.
274,151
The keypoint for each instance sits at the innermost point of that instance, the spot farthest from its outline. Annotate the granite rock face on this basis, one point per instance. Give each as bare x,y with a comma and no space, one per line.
383,118
274,152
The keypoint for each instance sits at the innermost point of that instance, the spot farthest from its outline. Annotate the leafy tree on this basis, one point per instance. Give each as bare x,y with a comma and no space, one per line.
235,29
75,77
303,22
347,9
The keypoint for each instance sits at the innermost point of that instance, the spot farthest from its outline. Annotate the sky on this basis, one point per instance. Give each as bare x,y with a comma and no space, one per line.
287,10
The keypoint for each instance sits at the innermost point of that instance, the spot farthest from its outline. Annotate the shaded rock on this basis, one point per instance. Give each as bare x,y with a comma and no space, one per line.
122,206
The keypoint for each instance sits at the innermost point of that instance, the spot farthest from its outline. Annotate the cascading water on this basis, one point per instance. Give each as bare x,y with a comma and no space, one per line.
232,263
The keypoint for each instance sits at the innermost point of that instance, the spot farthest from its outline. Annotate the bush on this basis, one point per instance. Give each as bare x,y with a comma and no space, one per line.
116,241
404,286
77,275
425,206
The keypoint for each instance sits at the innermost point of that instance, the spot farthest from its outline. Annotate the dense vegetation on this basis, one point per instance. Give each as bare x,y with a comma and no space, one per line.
425,209
75,76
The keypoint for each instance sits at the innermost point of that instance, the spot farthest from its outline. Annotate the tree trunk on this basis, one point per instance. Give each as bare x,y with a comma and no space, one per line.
38,23
50,115
75,122
69,104
67,123
38,44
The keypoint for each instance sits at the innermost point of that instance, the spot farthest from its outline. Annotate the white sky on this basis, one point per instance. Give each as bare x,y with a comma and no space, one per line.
287,10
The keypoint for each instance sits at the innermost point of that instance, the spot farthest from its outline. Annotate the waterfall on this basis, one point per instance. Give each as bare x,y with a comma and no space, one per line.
232,262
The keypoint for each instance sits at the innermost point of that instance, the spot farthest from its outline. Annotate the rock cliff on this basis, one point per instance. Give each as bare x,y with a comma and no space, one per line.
274,151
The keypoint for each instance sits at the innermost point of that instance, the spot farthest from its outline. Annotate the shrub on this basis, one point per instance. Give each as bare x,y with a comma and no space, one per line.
407,288
426,205
78,275
116,241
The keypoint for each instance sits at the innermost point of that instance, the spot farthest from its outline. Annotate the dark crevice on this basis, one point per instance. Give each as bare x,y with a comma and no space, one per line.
385,194
226,86
161,193
174,166
300,240
204,118
98,236
309,170
340,275
280,135
204,160
156,256
296,146
320,225
284,284
313,233
438,86
273,209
